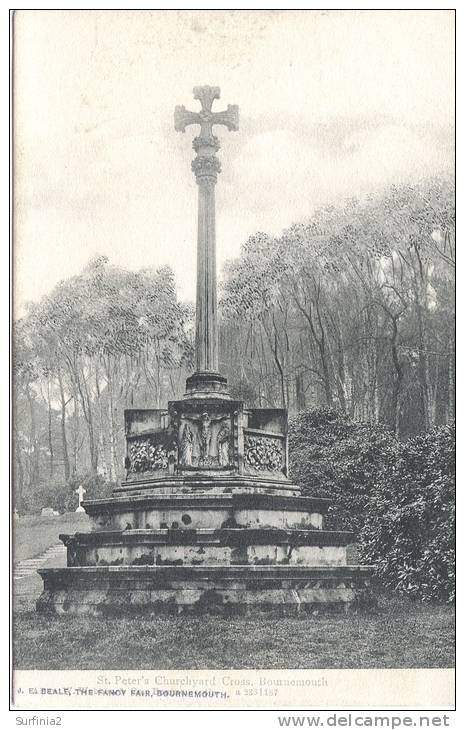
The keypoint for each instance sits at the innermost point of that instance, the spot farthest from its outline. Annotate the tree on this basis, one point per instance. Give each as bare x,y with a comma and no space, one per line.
100,342
352,308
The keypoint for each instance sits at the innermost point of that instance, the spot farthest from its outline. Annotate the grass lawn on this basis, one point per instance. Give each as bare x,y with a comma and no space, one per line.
33,534
398,633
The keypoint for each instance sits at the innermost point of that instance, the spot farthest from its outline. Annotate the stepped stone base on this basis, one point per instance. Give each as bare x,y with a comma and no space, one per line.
206,521
200,510
208,547
221,590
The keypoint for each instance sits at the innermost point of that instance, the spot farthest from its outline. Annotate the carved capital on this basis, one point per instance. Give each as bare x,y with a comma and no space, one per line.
211,142
206,167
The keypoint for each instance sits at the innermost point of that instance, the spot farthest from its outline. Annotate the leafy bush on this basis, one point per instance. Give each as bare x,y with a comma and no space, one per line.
96,486
62,496
397,497
332,456
409,529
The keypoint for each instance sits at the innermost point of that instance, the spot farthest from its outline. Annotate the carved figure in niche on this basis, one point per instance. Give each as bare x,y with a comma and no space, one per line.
205,436
172,457
224,440
187,446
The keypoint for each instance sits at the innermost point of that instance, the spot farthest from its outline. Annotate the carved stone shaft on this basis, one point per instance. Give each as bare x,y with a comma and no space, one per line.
206,167
206,328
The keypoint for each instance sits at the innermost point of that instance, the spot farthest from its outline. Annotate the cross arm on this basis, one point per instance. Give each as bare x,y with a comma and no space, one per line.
230,118
183,118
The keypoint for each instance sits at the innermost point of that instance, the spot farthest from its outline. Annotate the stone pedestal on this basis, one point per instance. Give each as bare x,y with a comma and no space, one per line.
207,520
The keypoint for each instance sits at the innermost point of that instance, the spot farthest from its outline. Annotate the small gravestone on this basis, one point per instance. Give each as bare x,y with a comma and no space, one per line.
80,491
48,512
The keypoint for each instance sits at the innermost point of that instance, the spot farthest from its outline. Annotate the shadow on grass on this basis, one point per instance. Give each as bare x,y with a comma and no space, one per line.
397,633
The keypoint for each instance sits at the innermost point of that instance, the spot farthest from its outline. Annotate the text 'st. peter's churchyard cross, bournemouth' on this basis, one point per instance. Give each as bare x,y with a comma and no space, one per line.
206,167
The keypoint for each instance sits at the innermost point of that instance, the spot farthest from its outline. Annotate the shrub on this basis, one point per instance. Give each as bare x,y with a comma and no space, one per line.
332,456
397,497
61,496
96,486
409,528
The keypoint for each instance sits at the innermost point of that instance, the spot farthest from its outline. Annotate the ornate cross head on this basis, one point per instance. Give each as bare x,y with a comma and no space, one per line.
205,117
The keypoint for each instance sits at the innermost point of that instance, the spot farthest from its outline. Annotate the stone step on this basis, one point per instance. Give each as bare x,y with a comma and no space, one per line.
207,511
206,536
29,566
224,590
245,546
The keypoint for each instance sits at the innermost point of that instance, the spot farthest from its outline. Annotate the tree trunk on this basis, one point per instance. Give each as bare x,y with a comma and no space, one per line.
18,475
299,391
88,416
80,387
64,439
101,427
372,368
273,342
75,431
451,380
399,374
420,295
49,429
35,459
111,419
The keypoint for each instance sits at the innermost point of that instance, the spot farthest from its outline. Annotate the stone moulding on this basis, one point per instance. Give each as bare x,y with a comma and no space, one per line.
224,546
221,482
206,511
224,536
209,384
223,590
202,501
144,573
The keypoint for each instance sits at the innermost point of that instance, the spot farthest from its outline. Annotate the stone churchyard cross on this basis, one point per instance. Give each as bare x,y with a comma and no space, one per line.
217,466
81,492
206,167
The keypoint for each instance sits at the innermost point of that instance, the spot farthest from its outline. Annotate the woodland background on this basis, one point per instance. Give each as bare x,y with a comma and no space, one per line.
346,319
352,310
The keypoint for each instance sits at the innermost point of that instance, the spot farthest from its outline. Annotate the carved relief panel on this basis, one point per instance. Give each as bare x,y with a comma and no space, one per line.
265,442
206,435
151,443
205,440
264,454
145,454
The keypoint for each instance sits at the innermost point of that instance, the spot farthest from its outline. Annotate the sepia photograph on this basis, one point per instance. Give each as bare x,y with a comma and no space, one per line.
233,357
